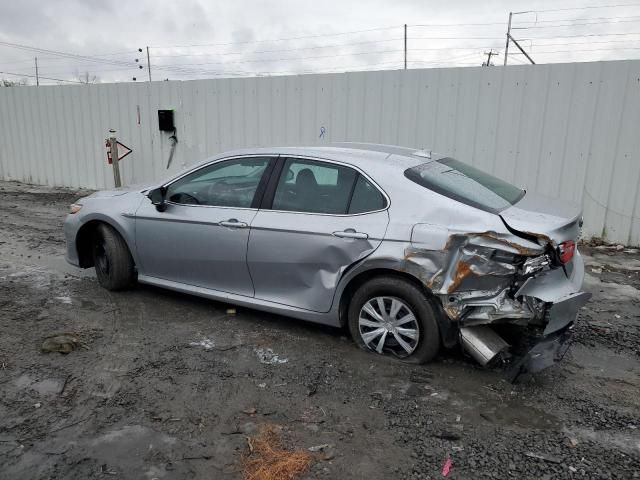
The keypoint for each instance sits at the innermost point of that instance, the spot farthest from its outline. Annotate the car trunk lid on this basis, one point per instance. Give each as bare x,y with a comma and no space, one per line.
543,218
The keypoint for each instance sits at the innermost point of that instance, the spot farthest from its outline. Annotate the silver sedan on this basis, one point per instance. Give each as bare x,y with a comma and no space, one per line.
410,250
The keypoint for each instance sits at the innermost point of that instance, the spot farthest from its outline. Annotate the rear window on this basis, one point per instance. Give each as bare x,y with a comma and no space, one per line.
466,184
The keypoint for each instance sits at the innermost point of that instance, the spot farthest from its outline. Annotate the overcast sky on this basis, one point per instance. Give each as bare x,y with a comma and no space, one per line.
200,39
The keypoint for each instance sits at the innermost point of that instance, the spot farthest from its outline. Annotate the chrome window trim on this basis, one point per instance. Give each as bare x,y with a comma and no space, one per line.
208,164
343,164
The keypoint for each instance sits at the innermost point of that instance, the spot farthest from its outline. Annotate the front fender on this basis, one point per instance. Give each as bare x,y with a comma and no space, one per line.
119,214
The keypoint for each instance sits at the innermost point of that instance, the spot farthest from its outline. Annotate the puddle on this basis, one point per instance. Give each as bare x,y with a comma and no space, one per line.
626,441
131,442
48,386
23,381
479,404
45,264
605,363
205,343
611,291
518,415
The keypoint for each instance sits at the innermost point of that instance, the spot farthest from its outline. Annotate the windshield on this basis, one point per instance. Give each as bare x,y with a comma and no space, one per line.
466,184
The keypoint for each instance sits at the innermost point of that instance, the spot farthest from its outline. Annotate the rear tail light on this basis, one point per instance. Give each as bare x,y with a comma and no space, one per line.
566,251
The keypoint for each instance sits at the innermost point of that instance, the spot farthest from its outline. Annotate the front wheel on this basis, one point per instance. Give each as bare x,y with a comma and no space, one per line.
389,315
112,259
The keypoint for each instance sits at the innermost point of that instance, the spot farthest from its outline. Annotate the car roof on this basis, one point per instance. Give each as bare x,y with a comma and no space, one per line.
358,154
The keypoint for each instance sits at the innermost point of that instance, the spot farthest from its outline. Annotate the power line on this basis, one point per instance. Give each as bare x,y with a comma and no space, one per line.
584,35
458,38
431,25
131,65
260,60
56,58
277,39
186,68
581,50
62,54
355,68
195,72
518,59
575,19
317,47
40,76
582,8
574,24
579,43
190,67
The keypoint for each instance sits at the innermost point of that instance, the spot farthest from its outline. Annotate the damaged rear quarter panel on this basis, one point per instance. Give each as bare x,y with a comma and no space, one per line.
462,255
474,268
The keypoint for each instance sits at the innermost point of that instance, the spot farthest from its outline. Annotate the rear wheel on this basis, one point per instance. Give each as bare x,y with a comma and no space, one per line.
392,316
112,259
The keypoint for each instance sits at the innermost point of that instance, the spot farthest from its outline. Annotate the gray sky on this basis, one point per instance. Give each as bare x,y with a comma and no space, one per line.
202,39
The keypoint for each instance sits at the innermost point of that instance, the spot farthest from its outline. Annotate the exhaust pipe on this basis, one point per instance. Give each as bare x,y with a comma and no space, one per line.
482,343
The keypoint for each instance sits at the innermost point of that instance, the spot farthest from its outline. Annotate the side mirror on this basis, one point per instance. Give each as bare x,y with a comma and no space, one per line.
157,197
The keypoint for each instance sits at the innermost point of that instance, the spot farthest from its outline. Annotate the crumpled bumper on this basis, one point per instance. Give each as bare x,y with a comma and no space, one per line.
556,338
545,306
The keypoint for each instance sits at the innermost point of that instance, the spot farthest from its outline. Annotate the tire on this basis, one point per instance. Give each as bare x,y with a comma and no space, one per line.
112,260
425,342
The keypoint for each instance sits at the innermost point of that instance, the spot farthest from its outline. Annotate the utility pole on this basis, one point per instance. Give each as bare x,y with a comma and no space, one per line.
515,42
37,76
148,64
489,54
405,46
506,48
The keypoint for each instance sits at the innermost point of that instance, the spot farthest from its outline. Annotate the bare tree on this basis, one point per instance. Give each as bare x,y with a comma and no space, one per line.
86,77
13,83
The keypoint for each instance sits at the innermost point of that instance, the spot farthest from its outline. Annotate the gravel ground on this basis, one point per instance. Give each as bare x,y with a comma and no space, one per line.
169,386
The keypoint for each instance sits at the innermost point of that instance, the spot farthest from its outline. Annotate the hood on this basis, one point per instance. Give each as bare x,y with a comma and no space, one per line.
116,192
545,218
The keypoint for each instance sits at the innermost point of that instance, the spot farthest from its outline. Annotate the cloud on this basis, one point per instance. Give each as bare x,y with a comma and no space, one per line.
245,37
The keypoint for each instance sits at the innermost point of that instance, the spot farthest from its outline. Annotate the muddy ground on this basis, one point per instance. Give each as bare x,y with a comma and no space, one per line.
169,386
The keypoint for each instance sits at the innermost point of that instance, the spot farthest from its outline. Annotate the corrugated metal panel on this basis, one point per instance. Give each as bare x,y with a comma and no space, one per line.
563,130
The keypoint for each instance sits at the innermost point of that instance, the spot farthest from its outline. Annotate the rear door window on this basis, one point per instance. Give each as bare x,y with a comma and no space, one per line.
466,184
321,187
314,187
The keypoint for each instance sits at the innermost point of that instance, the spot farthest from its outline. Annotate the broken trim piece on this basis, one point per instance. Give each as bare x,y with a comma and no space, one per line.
544,354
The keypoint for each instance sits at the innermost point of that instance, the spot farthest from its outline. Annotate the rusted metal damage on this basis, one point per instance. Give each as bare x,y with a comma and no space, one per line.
478,278
473,269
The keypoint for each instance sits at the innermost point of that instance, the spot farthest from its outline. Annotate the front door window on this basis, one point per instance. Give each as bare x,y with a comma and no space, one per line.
232,183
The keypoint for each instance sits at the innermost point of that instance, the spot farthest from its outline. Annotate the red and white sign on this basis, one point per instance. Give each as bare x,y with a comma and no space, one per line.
123,151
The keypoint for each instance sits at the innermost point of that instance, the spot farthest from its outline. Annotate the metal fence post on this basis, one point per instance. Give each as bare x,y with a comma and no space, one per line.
113,142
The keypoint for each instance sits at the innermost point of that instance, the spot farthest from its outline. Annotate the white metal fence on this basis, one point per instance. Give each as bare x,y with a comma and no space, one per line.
565,130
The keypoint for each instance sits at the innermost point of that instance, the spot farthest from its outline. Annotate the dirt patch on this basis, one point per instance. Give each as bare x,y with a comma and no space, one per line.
171,386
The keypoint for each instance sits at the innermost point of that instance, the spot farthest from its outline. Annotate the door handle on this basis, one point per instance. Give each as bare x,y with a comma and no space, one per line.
233,223
351,233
